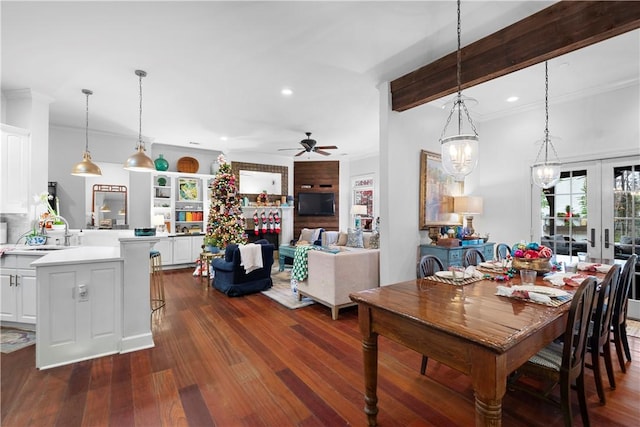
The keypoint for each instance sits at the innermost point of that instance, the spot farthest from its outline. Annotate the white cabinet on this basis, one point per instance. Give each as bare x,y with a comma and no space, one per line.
15,169
18,289
165,247
80,312
186,249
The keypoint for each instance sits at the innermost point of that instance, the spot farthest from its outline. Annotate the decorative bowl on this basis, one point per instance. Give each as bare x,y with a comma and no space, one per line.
36,240
539,265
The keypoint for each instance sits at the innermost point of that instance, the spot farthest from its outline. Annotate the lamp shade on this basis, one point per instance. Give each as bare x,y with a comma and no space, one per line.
140,162
547,174
467,205
105,207
157,220
86,167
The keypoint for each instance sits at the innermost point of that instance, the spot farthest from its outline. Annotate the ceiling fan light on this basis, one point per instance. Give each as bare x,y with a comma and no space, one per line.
86,167
460,155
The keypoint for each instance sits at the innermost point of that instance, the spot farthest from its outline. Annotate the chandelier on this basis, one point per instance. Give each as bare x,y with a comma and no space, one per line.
546,173
459,152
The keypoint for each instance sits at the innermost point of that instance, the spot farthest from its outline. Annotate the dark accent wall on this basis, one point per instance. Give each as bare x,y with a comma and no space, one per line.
316,177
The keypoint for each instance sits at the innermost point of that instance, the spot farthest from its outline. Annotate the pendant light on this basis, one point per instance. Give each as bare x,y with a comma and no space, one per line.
86,167
459,152
139,161
546,173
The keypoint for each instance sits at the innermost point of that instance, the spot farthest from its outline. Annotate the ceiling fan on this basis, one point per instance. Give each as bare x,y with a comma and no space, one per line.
311,147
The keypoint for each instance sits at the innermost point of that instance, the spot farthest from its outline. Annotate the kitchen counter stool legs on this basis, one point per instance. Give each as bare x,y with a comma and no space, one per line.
157,282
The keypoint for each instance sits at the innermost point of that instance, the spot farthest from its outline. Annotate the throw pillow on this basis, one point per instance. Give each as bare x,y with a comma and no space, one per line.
306,234
354,238
374,241
342,239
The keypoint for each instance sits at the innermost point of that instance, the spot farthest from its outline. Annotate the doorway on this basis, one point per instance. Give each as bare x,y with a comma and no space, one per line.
595,209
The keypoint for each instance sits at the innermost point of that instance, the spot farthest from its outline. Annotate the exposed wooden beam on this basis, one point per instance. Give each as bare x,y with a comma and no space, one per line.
561,28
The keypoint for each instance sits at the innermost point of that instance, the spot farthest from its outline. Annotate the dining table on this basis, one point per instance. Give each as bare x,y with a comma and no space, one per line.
465,326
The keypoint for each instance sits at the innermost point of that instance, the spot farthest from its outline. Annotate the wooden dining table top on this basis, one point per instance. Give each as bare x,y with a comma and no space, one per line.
473,312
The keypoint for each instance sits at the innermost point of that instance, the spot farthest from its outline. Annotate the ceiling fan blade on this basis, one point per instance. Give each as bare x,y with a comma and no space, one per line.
324,153
327,147
306,145
287,149
300,153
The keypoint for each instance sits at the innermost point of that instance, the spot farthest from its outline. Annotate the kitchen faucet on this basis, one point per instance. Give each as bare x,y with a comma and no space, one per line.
53,218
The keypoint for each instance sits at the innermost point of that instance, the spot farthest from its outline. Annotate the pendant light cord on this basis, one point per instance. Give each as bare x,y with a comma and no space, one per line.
458,72
140,121
459,102
546,111
87,92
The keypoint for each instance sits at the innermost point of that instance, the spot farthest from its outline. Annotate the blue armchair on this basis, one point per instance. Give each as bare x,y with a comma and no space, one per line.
230,277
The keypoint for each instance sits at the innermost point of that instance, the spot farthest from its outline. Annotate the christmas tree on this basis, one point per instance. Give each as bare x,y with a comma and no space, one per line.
226,223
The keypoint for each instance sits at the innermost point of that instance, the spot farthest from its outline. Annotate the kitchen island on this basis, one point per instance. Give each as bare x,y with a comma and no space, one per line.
93,301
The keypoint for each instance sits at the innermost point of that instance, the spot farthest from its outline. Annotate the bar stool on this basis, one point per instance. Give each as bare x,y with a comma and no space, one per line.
157,282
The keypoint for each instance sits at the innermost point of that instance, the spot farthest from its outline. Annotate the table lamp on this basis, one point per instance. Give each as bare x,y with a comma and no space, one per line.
468,206
158,222
357,211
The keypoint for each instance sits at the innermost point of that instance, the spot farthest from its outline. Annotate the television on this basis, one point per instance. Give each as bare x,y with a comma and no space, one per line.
316,204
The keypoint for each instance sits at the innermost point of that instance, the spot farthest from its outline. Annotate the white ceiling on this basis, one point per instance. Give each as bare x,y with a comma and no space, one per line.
216,68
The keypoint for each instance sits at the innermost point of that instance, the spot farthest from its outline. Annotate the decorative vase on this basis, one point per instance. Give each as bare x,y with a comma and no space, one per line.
161,163
212,249
540,265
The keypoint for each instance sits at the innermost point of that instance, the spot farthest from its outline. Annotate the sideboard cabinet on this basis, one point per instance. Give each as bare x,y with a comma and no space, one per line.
452,256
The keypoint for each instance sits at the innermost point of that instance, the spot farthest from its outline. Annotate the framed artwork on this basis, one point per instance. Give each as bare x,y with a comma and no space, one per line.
188,189
437,190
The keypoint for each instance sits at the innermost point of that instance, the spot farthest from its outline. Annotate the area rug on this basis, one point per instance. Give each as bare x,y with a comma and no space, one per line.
633,328
281,291
15,339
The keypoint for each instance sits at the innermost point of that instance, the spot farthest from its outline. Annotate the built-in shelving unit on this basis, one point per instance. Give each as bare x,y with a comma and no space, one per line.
182,199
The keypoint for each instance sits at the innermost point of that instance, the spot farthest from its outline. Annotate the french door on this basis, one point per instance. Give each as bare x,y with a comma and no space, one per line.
595,209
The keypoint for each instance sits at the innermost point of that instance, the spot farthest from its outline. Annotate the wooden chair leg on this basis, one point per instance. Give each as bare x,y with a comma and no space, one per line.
423,365
608,363
597,375
582,400
625,341
618,345
565,402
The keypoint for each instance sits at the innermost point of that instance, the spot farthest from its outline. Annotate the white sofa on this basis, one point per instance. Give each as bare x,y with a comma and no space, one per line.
333,276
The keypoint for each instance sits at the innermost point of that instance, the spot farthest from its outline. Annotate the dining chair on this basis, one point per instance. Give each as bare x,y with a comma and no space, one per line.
472,256
619,318
600,330
562,363
428,265
502,250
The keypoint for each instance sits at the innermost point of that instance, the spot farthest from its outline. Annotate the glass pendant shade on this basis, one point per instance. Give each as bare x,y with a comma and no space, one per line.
459,155
139,161
86,167
546,174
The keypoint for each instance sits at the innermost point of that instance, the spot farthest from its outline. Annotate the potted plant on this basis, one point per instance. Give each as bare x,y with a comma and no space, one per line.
211,244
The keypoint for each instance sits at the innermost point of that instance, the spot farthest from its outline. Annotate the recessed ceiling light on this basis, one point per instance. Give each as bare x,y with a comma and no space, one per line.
223,138
194,143
512,99
286,92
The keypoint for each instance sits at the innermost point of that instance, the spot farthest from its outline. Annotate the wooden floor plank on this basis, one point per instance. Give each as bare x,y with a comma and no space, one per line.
249,361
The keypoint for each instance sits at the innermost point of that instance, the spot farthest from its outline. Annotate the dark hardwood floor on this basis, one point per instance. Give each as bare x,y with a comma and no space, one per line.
249,361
